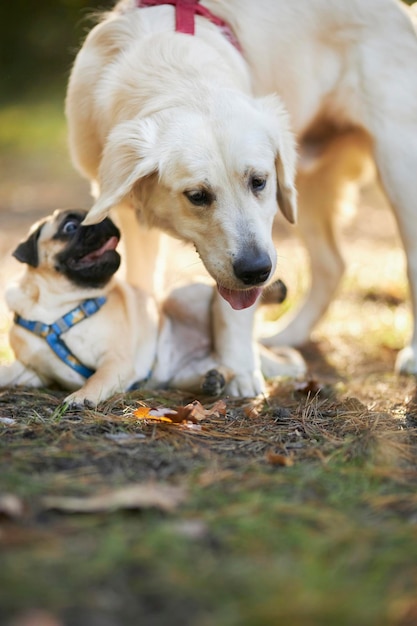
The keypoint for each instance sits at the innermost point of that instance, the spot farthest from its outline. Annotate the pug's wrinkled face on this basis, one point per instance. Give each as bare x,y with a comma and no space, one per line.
86,255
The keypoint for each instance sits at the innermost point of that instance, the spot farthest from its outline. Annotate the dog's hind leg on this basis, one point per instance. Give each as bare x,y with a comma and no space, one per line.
324,186
391,118
396,158
397,163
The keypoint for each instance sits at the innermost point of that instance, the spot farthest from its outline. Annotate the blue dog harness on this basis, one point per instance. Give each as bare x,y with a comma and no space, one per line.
52,332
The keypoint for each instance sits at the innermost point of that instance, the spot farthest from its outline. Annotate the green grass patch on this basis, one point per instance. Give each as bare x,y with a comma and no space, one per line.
28,129
330,539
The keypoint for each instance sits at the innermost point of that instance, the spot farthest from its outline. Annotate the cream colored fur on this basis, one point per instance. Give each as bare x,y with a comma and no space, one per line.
153,113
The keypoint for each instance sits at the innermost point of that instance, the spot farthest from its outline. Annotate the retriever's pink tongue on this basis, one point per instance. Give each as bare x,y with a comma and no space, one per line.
240,299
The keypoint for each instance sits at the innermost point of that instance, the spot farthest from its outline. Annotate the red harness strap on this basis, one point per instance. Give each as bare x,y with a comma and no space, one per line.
185,11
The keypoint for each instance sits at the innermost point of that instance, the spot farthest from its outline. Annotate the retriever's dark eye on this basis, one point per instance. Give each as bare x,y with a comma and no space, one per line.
257,183
199,197
70,227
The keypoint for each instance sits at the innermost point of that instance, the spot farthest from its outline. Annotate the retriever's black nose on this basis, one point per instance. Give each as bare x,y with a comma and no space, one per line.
253,268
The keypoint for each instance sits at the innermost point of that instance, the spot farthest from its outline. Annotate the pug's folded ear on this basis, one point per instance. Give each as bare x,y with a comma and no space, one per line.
27,251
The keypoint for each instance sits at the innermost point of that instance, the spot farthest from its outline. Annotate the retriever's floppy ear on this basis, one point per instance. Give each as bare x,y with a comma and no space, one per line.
286,155
27,251
286,191
127,157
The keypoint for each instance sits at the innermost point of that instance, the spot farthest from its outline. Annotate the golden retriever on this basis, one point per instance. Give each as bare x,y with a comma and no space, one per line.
182,128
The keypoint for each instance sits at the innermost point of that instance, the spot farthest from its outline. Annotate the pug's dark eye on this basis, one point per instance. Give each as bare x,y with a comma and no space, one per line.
70,227
199,197
257,183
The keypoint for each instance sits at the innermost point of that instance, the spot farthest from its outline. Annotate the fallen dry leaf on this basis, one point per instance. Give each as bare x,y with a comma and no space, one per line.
219,408
279,459
198,413
160,415
189,413
193,412
251,410
163,414
143,496
35,617
11,506
16,535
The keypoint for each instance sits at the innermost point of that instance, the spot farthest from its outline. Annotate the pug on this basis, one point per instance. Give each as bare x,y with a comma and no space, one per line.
75,324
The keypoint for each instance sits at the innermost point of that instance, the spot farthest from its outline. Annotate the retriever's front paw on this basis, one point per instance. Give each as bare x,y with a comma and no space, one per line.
78,400
406,362
246,384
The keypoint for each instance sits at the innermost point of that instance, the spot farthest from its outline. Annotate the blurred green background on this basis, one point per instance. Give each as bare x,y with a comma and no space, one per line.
38,42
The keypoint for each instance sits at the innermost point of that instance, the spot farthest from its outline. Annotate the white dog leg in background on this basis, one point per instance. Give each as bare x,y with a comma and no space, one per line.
396,155
392,119
316,226
324,187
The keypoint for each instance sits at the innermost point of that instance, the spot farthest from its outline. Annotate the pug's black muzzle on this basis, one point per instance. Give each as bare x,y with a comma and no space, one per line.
90,258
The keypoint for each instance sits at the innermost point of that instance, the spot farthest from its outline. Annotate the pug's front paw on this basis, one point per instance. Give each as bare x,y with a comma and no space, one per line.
78,400
214,383
246,384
